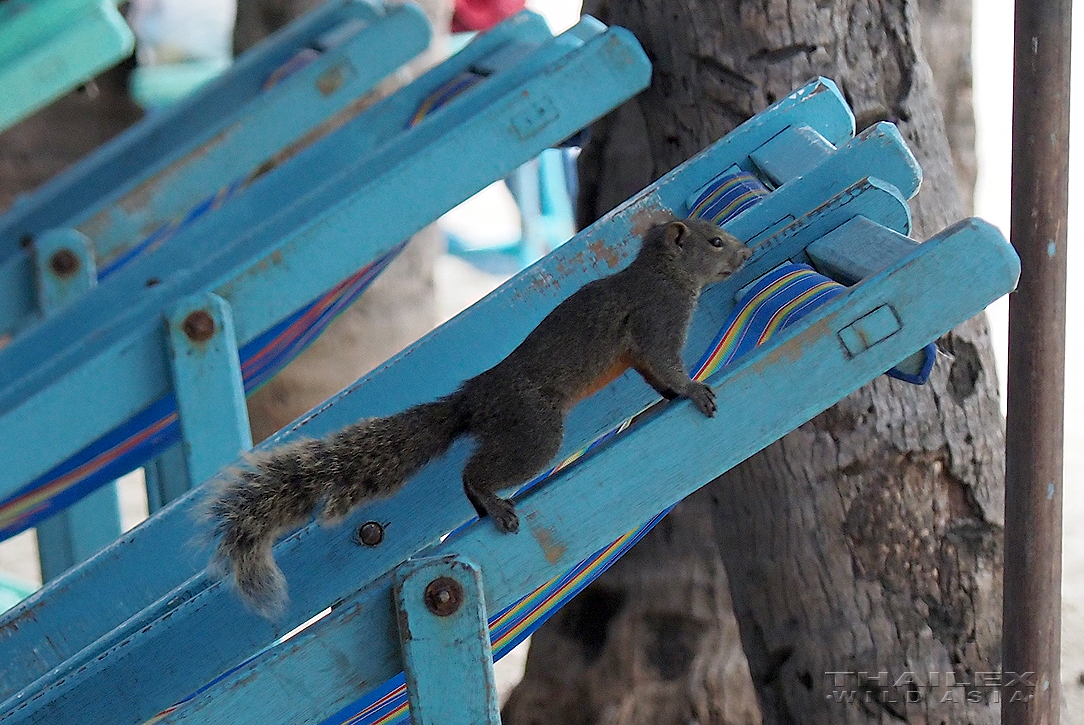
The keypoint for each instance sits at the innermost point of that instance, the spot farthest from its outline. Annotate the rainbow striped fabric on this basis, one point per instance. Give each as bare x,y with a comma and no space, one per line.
726,196
444,95
777,300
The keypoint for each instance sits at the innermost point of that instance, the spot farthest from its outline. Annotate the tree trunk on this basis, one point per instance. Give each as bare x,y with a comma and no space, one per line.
867,542
398,308
946,43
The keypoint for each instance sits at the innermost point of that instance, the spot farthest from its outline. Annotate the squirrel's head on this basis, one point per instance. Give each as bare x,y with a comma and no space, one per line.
702,249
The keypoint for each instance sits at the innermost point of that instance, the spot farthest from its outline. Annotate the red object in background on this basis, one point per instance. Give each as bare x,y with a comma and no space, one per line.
473,15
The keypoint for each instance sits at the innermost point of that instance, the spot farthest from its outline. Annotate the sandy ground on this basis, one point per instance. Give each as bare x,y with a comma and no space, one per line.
459,285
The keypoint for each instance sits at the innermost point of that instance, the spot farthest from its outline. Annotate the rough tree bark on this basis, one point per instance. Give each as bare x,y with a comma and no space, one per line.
866,541
946,45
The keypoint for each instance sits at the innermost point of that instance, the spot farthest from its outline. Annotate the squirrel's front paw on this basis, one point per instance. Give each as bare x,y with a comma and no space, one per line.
503,513
702,396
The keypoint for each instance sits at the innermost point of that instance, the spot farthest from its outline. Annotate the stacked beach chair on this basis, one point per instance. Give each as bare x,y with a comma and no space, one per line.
128,342
411,598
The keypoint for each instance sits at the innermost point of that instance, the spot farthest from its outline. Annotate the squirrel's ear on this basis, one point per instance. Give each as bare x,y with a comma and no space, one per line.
675,233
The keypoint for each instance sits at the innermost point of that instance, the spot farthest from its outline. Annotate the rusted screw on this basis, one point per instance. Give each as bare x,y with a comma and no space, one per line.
64,263
370,533
199,326
331,80
444,596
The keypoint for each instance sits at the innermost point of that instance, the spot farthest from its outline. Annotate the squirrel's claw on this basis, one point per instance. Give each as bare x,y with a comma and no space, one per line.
702,396
503,513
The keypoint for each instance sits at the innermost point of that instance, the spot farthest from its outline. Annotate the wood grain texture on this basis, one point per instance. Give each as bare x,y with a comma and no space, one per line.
870,538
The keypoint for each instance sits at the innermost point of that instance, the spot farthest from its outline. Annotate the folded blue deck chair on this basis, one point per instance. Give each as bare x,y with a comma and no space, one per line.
156,176
627,458
275,272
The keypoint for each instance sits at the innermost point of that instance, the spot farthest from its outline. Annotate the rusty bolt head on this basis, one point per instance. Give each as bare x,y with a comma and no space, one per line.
64,263
370,533
444,596
199,326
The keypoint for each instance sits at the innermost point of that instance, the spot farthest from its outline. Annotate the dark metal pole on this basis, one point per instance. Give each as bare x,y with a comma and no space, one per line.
1033,475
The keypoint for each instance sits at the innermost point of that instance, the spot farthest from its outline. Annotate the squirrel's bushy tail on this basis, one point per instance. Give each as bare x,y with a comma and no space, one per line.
280,489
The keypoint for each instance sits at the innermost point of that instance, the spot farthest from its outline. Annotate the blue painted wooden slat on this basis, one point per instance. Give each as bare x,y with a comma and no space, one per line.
858,249
64,270
208,386
877,151
324,565
791,153
444,635
117,323
166,478
267,125
78,532
639,474
130,575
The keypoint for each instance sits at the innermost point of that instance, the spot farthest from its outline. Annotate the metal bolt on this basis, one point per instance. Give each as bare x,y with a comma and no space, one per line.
444,596
370,533
64,263
332,79
199,326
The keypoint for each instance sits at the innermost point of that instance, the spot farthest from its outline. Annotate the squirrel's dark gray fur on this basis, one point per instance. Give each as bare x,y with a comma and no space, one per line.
635,318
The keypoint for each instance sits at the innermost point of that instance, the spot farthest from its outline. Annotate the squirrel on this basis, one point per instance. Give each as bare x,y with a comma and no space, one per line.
636,318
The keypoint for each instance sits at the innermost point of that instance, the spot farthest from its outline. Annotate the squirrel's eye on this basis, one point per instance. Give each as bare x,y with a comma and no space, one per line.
717,242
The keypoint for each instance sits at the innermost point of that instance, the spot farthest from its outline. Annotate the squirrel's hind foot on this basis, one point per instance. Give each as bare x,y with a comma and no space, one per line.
503,513
501,510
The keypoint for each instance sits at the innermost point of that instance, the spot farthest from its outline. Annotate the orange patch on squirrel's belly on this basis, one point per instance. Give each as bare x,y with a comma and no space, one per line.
619,366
